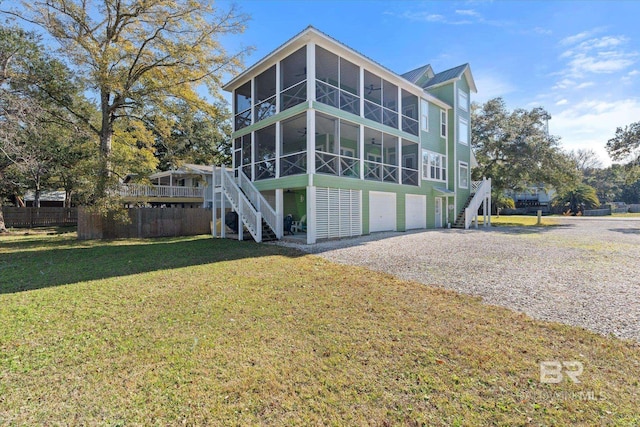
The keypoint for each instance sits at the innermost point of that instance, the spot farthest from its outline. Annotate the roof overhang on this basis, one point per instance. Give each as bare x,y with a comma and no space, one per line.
444,191
467,74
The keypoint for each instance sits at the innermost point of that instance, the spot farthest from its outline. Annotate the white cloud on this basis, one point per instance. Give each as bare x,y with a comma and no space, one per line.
580,36
564,84
600,55
585,85
543,31
491,86
633,73
562,102
467,12
590,124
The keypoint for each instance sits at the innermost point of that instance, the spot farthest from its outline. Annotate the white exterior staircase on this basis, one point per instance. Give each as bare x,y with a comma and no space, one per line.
254,211
480,195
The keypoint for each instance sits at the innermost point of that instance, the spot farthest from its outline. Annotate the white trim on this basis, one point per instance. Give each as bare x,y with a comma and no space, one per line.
424,115
463,100
444,122
462,164
461,122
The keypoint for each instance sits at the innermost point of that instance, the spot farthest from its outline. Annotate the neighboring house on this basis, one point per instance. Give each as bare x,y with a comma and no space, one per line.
184,187
347,146
534,198
48,199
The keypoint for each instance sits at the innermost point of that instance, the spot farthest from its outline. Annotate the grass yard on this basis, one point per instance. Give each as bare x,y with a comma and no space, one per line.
197,331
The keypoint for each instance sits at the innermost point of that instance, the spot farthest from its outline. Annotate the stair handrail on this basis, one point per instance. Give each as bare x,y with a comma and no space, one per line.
247,214
471,211
259,202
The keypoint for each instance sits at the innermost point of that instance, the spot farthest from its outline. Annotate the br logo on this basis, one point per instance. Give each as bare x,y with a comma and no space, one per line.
551,372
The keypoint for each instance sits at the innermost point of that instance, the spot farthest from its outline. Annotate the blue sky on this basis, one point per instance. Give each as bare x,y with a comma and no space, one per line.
578,59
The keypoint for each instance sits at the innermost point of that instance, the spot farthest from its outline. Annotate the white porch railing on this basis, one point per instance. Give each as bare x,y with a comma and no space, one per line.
482,190
247,214
142,191
260,203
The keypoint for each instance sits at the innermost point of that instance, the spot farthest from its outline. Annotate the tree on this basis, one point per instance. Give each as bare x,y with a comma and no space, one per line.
186,135
585,159
625,145
576,199
515,150
135,55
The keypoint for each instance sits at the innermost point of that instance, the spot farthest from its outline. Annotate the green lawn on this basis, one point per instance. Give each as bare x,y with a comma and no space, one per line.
197,331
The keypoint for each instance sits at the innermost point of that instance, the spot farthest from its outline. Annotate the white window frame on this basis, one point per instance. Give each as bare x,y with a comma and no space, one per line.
463,100
463,137
426,168
462,165
443,123
424,115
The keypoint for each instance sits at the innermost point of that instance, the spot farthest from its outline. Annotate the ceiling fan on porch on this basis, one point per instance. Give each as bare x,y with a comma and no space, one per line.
303,132
371,88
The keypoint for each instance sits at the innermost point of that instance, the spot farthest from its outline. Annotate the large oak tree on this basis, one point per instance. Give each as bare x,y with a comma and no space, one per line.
136,55
515,150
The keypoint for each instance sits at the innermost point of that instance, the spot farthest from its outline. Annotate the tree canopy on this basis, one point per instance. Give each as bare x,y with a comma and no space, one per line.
135,57
625,145
514,148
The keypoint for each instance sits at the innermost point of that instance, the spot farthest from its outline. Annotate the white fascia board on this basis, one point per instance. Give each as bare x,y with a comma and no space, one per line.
466,73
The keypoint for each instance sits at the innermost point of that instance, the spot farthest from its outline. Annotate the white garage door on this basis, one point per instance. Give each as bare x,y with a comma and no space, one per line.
416,211
382,211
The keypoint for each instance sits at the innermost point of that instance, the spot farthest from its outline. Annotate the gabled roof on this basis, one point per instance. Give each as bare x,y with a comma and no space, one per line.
414,75
452,74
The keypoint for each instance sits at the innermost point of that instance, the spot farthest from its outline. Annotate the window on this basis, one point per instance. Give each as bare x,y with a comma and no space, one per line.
242,97
424,115
463,132
409,113
463,175
434,166
463,100
443,123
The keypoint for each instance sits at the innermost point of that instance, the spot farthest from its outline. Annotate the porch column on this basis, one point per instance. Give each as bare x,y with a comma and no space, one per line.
214,213
279,212
311,142
311,215
223,227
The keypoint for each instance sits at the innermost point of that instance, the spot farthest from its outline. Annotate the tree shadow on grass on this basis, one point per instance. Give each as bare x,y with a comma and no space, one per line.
507,228
41,263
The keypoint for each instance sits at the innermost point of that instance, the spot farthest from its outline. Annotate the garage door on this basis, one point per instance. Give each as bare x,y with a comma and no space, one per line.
416,211
382,211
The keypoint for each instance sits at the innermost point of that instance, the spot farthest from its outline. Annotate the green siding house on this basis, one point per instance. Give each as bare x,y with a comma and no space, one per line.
347,146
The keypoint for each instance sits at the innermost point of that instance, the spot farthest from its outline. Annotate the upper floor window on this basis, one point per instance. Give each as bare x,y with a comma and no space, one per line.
409,113
424,115
443,123
463,131
293,75
463,100
434,166
337,81
242,106
463,175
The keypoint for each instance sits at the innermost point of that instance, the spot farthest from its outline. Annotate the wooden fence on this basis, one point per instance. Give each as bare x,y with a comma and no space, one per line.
145,222
39,217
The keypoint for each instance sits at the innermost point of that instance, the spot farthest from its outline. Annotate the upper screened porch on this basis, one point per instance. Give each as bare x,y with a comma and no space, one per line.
317,107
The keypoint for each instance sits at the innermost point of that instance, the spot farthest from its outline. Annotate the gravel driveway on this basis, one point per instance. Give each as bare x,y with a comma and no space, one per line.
584,272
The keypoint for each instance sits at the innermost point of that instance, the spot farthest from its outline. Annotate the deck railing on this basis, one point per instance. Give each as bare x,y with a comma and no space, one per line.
145,191
259,202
